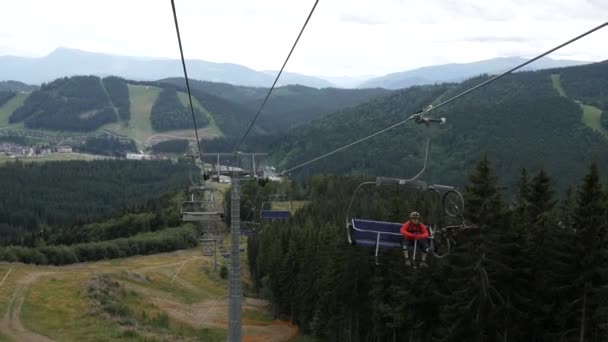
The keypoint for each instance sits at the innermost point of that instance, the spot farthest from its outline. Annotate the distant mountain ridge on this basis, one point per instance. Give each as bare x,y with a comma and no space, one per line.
16,86
457,72
70,62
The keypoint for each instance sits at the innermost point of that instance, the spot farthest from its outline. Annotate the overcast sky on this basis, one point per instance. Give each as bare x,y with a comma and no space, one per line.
344,37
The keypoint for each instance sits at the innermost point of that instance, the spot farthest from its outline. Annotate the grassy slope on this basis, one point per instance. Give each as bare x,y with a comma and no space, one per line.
7,287
8,108
591,118
139,128
557,84
57,303
212,128
591,115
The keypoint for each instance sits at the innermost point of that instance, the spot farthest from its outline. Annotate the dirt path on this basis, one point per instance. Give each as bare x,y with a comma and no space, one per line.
11,322
214,313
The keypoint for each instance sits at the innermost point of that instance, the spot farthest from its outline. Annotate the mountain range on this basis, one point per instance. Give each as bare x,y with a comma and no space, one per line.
554,119
69,62
457,72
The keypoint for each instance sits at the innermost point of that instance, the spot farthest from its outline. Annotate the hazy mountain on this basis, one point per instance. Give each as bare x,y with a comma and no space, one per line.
69,62
348,81
16,86
295,78
456,72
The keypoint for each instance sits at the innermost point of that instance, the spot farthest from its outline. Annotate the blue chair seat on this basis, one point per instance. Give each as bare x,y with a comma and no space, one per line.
375,234
247,232
275,214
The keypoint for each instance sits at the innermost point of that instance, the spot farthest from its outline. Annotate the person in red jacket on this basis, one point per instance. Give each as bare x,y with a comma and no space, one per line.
416,234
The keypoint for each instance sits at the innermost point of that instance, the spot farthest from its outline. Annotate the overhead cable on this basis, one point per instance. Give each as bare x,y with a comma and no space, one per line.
257,114
431,108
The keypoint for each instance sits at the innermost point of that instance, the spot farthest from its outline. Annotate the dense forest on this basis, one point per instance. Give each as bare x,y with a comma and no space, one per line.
520,121
108,145
5,96
61,195
586,83
532,270
168,113
77,103
118,91
171,146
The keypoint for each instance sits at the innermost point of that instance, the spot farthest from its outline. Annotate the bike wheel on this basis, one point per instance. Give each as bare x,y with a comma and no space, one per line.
440,245
453,203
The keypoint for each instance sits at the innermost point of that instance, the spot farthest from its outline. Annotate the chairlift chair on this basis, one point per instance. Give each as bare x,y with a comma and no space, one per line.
272,215
201,210
386,235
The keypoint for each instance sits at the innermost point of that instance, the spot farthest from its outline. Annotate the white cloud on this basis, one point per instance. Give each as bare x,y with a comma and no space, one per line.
344,37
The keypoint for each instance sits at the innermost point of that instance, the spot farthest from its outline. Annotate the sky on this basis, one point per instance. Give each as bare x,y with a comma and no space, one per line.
343,38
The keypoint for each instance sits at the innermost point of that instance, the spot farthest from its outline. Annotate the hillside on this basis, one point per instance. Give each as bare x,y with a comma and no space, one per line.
457,72
167,297
70,109
519,121
104,220
16,86
288,106
80,103
70,62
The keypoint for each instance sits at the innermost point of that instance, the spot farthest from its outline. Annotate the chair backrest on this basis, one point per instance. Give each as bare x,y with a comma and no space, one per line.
275,214
368,230
197,216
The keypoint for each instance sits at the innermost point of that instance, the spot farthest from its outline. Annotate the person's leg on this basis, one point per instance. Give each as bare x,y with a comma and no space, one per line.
424,249
408,246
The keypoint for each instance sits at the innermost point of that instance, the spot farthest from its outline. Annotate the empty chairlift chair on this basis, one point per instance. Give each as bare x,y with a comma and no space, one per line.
272,215
202,210
375,234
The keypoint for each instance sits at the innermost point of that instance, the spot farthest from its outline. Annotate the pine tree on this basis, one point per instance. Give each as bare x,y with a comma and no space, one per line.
523,195
540,199
546,260
473,298
590,242
566,209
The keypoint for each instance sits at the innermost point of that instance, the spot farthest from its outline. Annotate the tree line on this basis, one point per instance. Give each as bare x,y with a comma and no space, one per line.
108,145
165,240
61,195
171,146
533,270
